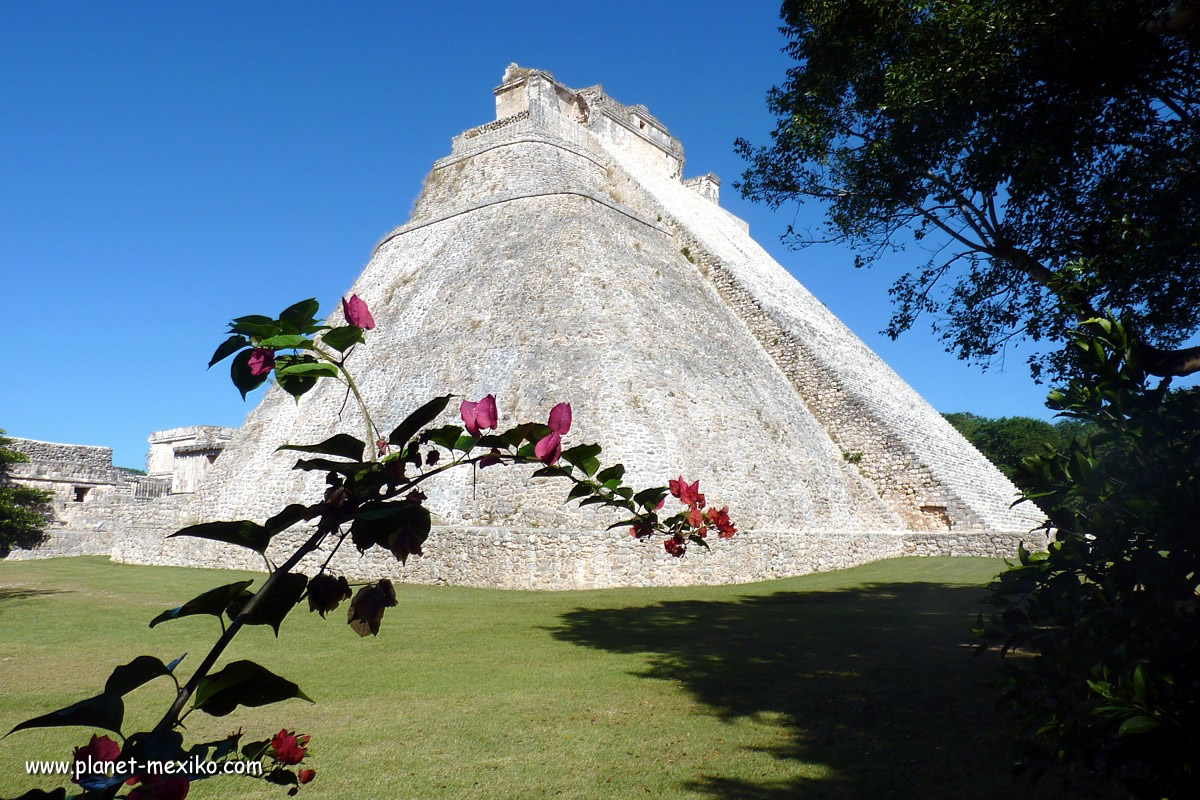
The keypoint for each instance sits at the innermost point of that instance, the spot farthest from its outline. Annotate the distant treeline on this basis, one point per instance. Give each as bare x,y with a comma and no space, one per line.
1007,440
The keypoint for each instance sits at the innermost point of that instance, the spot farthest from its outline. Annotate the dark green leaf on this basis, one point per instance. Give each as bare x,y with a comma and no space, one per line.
446,437
291,514
213,602
243,533
239,371
102,711
242,683
300,316
286,341
329,465
253,751
308,369
127,677
296,385
615,472
583,456
698,540
465,443
625,523
594,501
342,444
574,455
271,610
580,490
282,777
418,419
1135,725
255,326
554,471
229,347
533,432
342,339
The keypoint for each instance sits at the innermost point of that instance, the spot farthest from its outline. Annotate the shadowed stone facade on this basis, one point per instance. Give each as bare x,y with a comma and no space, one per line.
558,255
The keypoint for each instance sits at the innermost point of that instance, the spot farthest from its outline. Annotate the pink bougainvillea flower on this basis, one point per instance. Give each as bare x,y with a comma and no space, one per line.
675,546
641,529
479,416
100,749
548,449
382,447
288,748
261,361
695,518
720,520
688,494
560,419
357,313
306,775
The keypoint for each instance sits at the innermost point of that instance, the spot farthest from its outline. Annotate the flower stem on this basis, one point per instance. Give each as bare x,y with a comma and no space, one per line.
372,430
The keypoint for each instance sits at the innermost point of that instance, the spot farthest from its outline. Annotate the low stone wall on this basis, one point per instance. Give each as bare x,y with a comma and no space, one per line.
537,558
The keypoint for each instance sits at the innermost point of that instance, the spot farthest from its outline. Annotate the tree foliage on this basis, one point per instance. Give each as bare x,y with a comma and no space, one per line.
1044,157
1101,633
23,511
1008,441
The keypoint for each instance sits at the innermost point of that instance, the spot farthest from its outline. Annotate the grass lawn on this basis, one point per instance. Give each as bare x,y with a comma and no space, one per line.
852,684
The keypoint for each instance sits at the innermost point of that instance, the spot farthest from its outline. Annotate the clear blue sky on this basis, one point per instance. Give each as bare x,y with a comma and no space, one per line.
167,166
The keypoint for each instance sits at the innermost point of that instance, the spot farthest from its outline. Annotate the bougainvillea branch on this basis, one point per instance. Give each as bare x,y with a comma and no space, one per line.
373,498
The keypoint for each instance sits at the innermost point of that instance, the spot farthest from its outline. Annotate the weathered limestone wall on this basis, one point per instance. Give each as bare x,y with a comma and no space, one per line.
538,558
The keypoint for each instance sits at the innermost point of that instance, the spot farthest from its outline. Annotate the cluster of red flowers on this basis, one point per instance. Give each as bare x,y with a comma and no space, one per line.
288,748
698,520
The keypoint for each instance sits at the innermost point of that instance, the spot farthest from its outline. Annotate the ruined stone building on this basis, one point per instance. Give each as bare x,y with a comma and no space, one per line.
558,254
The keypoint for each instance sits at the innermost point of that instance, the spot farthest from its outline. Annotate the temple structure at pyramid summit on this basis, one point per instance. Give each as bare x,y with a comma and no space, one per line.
558,254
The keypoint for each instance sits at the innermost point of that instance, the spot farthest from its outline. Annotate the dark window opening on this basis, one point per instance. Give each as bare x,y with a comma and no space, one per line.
80,493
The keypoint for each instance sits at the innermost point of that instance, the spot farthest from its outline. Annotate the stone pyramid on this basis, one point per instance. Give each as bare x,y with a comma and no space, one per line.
557,255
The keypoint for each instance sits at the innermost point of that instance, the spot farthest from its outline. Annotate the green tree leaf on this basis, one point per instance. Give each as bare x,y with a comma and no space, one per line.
104,711
583,456
342,339
418,419
213,602
243,533
242,683
127,677
229,347
271,610
341,444
287,341
299,317
307,369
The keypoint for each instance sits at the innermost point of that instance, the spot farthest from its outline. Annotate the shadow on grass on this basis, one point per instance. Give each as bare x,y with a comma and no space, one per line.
8,593
877,684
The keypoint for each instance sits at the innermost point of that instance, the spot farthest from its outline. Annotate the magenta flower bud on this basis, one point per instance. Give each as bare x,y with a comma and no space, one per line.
485,413
357,313
469,411
548,449
261,361
478,415
560,418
